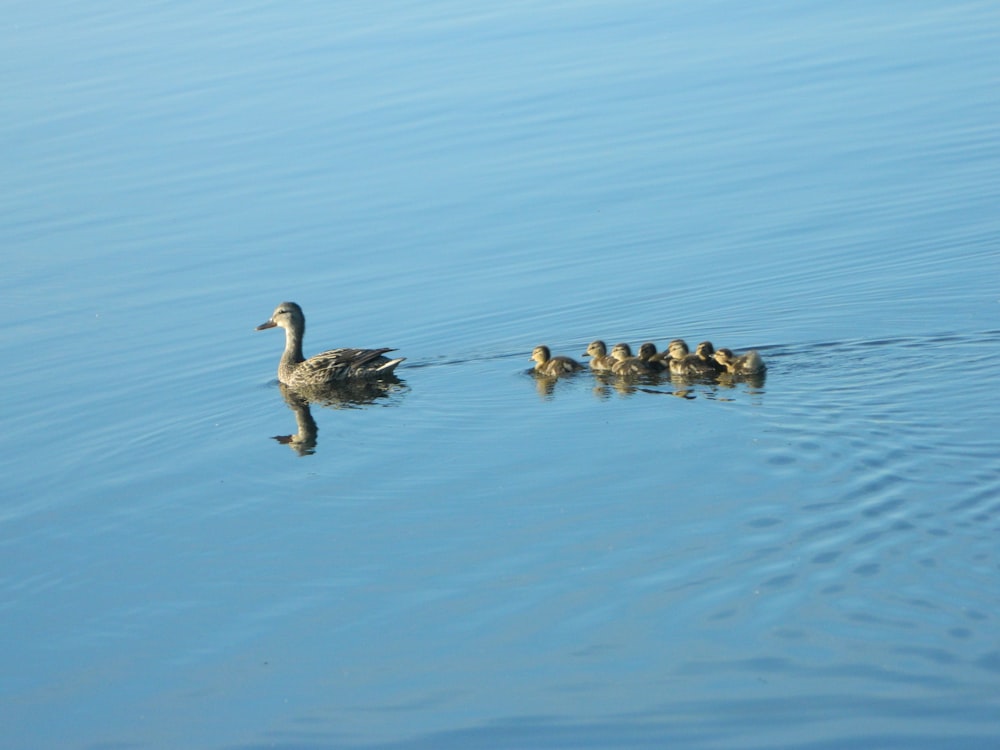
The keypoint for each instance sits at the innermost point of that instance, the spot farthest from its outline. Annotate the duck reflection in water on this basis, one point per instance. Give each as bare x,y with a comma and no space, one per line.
343,395
337,378
304,441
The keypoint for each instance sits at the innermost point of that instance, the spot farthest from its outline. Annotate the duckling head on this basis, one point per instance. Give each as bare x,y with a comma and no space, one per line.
724,356
705,350
621,351
541,354
647,351
678,349
596,349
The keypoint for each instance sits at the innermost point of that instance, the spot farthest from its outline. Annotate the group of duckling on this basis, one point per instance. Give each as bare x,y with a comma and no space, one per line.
676,360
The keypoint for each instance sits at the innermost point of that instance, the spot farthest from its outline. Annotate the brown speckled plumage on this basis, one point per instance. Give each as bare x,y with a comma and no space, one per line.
328,367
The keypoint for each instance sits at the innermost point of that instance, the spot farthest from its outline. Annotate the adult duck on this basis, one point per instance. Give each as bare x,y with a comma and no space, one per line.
331,366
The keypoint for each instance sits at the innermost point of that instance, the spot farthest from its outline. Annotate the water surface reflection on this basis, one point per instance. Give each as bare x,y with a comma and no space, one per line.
719,387
344,394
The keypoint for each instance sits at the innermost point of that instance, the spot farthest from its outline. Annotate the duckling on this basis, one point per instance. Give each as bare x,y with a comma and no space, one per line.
675,353
678,349
327,367
546,364
685,364
656,360
704,350
744,364
706,353
600,360
628,365
621,352
663,357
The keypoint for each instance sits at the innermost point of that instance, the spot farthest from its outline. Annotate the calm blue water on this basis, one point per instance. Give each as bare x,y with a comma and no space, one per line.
482,560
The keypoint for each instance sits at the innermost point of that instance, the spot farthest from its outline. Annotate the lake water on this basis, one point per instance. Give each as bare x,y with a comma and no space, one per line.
480,559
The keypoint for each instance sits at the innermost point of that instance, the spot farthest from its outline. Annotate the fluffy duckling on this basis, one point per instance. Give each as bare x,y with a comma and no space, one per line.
546,364
656,360
743,364
661,357
600,360
706,353
621,352
704,350
629,365
678,349
331,366
675,353
685,364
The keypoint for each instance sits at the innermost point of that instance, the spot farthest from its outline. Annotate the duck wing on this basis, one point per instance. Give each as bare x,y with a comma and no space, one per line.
337,364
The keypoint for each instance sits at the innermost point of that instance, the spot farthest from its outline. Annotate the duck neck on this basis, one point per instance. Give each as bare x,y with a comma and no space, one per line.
293,348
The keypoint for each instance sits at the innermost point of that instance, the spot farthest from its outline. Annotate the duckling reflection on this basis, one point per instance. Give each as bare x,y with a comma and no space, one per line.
342,395
545,385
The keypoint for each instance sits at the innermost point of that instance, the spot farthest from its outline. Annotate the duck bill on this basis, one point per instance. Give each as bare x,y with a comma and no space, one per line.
268,324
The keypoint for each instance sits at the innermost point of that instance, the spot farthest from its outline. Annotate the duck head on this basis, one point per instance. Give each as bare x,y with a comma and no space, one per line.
541,354
288,315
